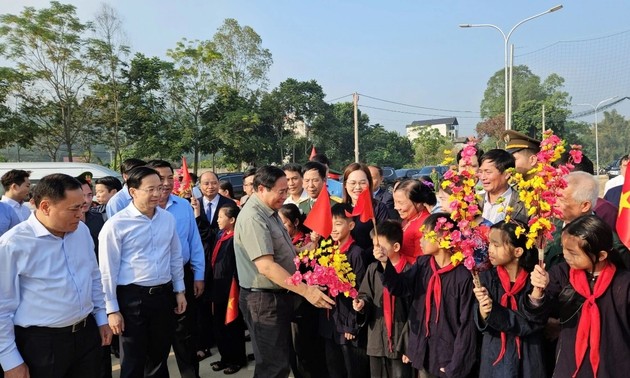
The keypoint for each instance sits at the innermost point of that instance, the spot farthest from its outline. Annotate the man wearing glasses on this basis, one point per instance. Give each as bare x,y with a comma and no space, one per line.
143,278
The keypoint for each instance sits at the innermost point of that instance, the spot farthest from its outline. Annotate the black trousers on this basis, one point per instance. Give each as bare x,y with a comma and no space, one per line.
52,353
383,367
185,342
308,345
346,360
268,318
149,329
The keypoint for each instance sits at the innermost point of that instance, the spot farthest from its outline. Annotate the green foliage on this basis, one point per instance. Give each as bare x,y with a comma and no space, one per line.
385,148
429,146
614,137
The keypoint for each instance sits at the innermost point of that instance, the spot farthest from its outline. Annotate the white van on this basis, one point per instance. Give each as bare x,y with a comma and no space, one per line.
41,169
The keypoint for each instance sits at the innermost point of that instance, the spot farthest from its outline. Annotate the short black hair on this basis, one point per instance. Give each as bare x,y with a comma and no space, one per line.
227,185
585,165
313,165
478,154
339,210
267,175
230,209
391,230
110,182
84,181
193,178
293,167
293,213
158,163
322,159
249,172
501,158
135,176
14,176
129,164
54,187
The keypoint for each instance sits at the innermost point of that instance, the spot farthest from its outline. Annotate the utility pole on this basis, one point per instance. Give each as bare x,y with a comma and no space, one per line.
355,102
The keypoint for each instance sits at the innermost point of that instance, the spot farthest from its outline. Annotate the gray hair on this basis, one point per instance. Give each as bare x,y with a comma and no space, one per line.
585,187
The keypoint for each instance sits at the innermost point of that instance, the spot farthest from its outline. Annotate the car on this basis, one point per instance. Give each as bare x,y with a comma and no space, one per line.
236,179
406,172
428,170
389,176
613,168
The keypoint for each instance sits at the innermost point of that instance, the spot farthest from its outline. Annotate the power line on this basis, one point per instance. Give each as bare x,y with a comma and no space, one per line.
417,106
592,111
339,98
403,112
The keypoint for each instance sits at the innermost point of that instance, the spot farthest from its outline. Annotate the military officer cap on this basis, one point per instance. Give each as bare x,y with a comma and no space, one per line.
515,141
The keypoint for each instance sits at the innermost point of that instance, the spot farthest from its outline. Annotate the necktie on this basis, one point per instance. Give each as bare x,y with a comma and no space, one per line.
208,210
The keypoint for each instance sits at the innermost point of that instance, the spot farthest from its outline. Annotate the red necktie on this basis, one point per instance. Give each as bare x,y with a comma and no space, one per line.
434,289
389,302
225,236
509,295
589,326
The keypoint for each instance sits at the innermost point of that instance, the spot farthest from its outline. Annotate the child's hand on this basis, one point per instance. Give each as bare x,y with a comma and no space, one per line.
358,304
315,237
540,279
195,205
380,254
348,336
480,293
485,306
405,359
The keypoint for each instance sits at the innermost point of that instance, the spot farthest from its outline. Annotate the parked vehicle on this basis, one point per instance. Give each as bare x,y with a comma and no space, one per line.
406,172
236,179
613,168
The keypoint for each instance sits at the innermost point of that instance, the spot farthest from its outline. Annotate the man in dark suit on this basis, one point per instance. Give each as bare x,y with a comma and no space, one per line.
381,194
211,201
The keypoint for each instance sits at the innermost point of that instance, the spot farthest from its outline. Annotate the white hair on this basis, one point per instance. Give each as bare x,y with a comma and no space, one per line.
584,187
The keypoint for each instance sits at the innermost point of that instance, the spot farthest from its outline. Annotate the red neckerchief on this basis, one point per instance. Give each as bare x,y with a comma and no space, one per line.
225,236
589,327
510,292
343,248
434,289
298,238
388,304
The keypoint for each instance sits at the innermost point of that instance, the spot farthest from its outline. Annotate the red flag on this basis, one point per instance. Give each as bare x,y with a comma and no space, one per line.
186,181
363,208
313,153
232,308
320,217
623,220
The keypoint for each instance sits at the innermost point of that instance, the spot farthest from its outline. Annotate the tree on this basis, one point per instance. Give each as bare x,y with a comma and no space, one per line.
428,146
492,127
109,53
48,48
244,63
386,148
192,88
614,137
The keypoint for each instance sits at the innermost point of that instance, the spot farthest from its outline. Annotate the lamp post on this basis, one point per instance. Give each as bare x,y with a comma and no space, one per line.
596,108
506,39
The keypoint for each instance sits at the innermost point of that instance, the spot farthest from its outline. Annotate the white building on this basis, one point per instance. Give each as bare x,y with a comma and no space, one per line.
447,127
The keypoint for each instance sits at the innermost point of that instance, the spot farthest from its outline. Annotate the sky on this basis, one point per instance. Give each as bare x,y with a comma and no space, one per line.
402,51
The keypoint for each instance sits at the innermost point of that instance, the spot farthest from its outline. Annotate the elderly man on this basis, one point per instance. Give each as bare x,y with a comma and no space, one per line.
52,311
499,195
264,259
381,194
577,199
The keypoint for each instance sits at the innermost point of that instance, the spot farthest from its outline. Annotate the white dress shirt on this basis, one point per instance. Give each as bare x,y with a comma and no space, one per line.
46,281
303,197
496,212
136,249
214,204
21,209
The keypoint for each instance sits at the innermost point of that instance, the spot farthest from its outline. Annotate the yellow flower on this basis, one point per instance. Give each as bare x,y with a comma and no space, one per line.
519,231
456,258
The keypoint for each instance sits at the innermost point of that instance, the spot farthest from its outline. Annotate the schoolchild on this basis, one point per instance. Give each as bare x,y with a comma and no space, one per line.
590,293
511,343
384,313
442,332
228,329
345,341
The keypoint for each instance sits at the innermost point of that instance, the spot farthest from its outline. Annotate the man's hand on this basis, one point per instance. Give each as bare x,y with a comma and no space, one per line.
106,334
20,371
198,287
181,303
317,298
116,323
348,336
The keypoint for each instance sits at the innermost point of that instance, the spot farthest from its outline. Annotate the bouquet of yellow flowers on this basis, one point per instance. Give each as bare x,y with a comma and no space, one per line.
325,266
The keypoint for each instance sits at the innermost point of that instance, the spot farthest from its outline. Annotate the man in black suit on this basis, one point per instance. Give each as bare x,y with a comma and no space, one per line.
381,194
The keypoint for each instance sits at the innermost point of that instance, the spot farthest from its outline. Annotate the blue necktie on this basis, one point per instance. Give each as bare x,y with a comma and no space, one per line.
208,211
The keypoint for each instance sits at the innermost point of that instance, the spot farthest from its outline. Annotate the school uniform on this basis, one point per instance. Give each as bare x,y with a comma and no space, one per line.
380,346
449,339
230,337
361,231
345,358
522,360
561,300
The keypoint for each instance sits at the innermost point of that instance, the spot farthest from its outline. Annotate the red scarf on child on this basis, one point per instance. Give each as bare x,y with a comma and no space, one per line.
434,289
589,326
298,238
389,302
509,295
225,236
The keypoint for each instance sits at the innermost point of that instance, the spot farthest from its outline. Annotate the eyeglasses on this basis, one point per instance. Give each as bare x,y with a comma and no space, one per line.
352,184
153,190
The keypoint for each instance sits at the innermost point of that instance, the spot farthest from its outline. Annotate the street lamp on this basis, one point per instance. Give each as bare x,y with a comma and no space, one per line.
596,108
506,39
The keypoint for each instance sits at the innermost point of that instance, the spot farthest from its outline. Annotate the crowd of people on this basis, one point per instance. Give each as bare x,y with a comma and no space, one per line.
201,269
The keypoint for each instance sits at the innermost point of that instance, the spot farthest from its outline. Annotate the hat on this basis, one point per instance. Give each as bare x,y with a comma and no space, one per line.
515,141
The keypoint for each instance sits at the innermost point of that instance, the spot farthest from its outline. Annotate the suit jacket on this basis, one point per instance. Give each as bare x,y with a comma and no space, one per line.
208,230
387,199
